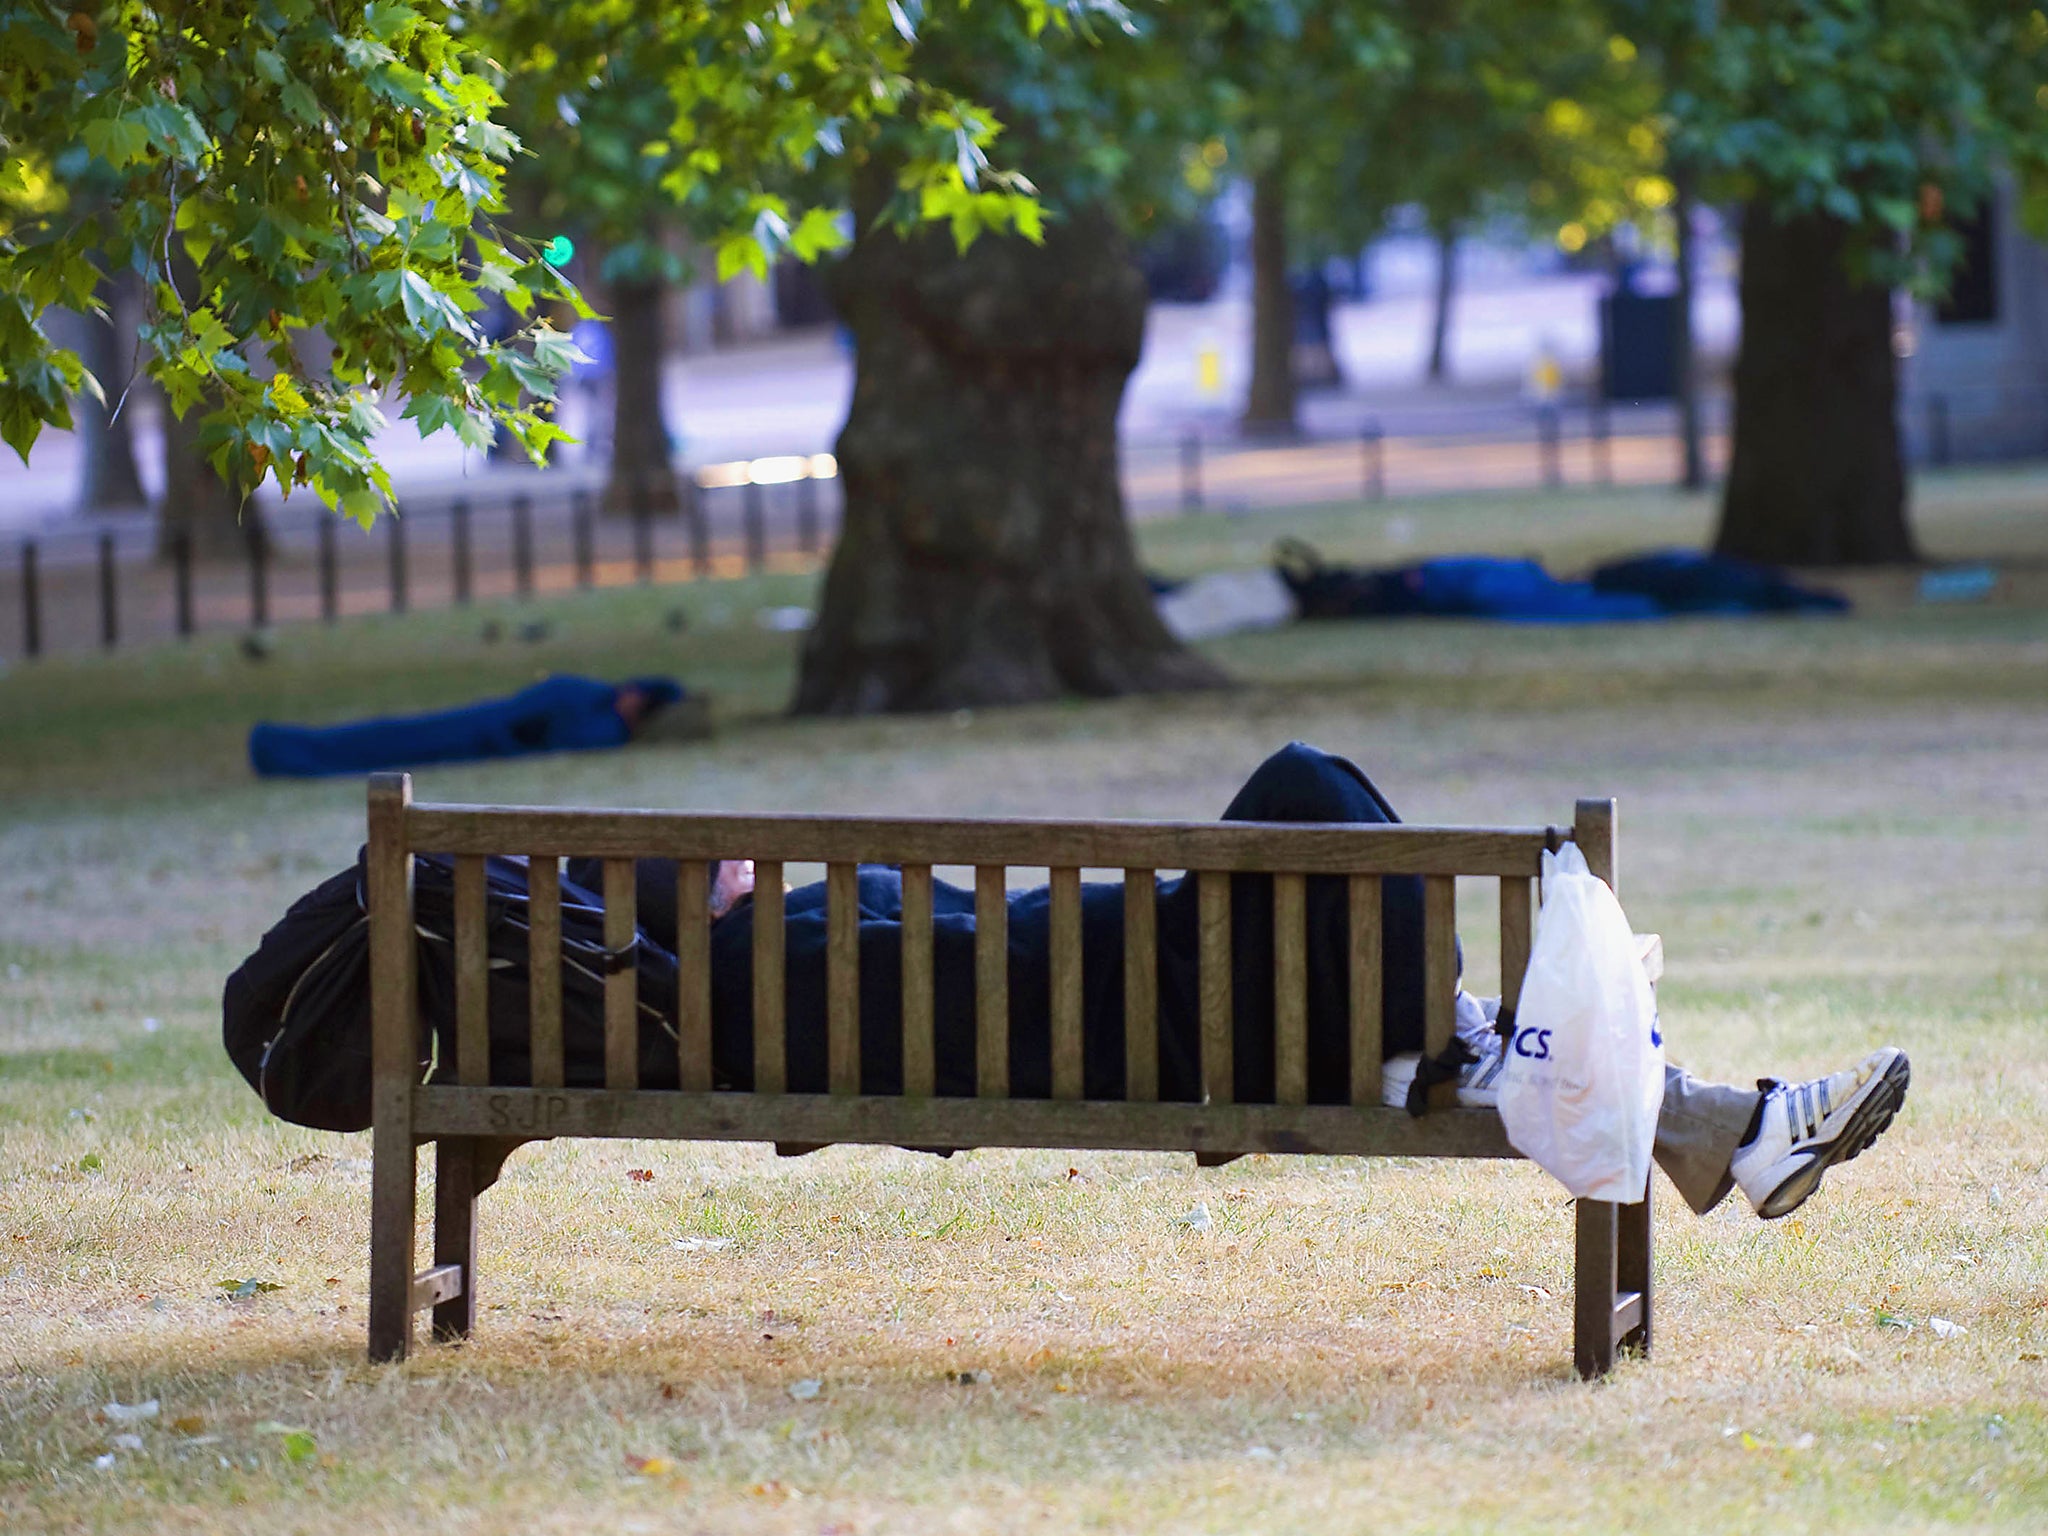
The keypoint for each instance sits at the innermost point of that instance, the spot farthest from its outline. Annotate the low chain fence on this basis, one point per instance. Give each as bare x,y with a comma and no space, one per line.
121,582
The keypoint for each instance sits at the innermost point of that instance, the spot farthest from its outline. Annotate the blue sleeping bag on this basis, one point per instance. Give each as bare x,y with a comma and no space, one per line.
558,714
1518,592
1689,581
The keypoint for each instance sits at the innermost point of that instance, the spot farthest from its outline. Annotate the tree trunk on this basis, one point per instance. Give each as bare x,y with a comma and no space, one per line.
1440,320
197,503
1684,365
641,470
1270,403
984,557
107,477
1816,476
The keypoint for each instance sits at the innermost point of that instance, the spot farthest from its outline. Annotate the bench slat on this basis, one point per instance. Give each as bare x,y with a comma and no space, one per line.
1066,984
693,975
621,985
991,982
820,1119
919,1065
1515,930
472,974
1439,975
1290,989
1368,1040
1313,848
1141,985
1213,888
770,1044
842,977
544,968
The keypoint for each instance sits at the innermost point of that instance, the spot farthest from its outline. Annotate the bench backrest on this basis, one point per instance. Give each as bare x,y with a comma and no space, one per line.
1210,852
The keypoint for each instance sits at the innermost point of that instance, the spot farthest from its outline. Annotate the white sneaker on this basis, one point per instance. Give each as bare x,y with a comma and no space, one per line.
1806,1128
1478,1081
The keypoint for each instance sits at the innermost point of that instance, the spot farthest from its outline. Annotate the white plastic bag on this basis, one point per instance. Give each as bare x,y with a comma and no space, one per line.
1585,1070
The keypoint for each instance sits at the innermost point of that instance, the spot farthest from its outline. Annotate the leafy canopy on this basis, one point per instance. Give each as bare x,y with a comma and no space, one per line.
310,190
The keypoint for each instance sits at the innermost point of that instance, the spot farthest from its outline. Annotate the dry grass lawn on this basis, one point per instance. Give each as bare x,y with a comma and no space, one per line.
1841,829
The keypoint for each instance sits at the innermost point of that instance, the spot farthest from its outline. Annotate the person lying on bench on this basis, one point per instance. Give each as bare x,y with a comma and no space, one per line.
557,714
1774,1141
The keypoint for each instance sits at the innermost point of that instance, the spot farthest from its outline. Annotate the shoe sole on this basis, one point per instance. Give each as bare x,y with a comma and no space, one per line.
1869,1121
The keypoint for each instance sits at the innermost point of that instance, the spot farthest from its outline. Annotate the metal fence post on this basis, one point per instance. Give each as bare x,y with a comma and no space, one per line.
31,599
330,582
110,611
1372,447
181,580
396,538
1940,449
1546,444
700,526
583,533
807,513
1191,473
757,525
458,533
643,533
259,576
522,545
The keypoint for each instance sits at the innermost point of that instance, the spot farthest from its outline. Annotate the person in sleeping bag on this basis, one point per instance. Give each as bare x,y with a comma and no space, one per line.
1774,1141
558,714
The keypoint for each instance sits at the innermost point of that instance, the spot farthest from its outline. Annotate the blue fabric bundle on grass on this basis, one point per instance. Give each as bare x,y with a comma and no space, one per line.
558,714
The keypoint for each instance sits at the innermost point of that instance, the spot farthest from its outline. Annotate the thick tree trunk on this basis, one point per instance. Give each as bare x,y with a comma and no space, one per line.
107,477
984,557
1816,476
197,504
641,471
1684,365
1446,288
1270,403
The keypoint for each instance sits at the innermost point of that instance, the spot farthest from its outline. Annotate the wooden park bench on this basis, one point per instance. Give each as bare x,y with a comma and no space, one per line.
474,1123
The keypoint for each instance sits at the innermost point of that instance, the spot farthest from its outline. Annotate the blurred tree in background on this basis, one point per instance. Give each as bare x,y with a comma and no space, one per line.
1848,132
984,556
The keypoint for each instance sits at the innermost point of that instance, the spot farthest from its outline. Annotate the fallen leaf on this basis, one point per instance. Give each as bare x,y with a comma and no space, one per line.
1198,1219
92,1162
649,1466
1894,1320
640,1175
976,1378
188,1424
803,1391
299,1445
1944,1329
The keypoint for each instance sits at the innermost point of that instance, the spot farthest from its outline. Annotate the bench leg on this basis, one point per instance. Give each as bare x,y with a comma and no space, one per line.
393,1167
455,1191
1632,1267
1593,1281
1611,1283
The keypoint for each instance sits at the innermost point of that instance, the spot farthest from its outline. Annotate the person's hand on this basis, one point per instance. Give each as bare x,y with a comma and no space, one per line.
735,879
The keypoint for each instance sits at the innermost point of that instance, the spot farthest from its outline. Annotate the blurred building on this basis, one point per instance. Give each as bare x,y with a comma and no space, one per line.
1975,380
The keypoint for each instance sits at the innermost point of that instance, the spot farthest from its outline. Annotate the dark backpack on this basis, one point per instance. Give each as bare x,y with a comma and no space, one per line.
295,1016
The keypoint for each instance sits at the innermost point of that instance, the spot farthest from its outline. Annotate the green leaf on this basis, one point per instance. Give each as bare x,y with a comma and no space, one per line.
817,232
269,65
299,100
120,141
299,1445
